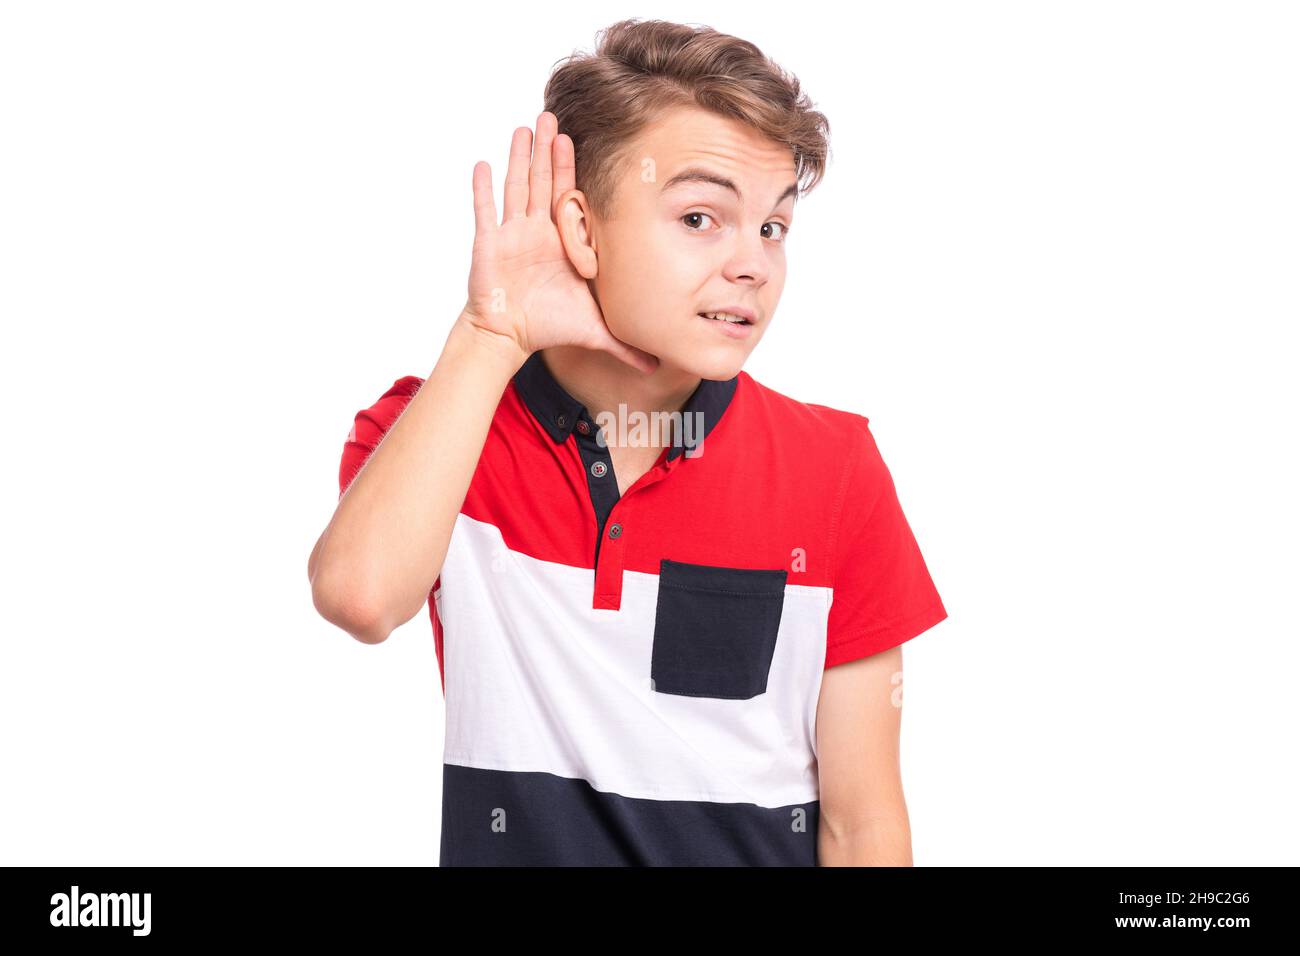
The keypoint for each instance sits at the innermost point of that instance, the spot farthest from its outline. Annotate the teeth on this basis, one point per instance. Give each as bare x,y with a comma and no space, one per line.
724,316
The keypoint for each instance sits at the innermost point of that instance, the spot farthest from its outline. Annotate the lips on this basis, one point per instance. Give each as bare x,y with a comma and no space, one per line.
735,330
746,316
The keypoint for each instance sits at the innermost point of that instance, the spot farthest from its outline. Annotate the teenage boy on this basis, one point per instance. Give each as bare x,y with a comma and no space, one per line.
664,645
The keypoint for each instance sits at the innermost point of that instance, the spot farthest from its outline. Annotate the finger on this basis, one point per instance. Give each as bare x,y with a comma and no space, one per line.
539,174
516,191
485,208
564,177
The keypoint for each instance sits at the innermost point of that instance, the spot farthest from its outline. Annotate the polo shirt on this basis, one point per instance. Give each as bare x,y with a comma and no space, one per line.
633,679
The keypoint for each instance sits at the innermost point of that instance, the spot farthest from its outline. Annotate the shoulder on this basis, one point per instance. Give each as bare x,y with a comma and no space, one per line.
371,423
404,387
383,411
835,429
818,446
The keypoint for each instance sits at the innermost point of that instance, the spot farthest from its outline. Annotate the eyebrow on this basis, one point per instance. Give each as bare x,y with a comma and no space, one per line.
696,174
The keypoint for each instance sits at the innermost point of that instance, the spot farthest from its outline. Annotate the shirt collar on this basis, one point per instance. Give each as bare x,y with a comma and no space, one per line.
558,411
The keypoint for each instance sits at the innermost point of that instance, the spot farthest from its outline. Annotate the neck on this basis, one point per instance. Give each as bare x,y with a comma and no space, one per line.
602,382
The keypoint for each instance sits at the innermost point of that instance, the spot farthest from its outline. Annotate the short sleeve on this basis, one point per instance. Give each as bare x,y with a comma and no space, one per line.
881,590
370,424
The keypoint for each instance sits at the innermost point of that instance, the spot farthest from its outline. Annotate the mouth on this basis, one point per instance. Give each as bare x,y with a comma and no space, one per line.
732,324
731,318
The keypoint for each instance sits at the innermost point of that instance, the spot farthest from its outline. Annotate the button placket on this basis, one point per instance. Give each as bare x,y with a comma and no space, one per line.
601,482
610,561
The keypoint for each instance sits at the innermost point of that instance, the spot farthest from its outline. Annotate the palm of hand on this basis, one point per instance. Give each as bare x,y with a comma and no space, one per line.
522,284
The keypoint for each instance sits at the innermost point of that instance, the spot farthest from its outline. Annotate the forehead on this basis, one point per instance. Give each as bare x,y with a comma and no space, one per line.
691,138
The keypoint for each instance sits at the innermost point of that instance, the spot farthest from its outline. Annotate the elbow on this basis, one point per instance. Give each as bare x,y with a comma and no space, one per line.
349,611
877,839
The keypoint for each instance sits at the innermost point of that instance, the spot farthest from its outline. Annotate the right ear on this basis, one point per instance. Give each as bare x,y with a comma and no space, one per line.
574,220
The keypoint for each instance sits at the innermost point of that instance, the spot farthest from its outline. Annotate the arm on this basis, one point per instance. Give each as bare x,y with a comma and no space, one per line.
373,566
883,597
863,816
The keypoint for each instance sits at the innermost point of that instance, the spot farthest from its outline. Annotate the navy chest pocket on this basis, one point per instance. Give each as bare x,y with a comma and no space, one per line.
715,629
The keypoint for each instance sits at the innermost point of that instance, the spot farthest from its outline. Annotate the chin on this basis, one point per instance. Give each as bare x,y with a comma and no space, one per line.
717,362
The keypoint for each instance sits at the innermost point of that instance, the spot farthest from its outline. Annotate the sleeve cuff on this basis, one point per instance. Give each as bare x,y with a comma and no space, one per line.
866,643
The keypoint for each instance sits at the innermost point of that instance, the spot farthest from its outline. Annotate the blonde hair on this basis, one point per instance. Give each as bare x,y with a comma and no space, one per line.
642,69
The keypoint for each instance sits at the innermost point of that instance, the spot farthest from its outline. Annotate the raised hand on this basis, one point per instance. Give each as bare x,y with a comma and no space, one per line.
521,283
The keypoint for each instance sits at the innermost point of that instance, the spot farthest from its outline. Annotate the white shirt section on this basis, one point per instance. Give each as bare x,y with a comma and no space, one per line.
538,680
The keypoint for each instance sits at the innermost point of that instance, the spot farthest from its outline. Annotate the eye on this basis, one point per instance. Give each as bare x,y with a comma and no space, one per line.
704,215
785,230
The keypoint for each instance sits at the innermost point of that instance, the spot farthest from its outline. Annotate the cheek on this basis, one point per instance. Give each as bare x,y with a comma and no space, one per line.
647,271
628,293
775,281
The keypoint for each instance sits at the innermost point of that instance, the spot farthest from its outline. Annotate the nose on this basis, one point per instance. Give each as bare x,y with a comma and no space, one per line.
748,259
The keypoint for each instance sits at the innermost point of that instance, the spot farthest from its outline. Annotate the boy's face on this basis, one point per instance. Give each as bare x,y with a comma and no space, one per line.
677,245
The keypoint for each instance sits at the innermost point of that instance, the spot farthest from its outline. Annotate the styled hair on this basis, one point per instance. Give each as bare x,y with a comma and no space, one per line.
642,69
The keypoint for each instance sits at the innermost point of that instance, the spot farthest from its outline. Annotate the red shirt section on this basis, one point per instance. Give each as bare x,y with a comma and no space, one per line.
778,483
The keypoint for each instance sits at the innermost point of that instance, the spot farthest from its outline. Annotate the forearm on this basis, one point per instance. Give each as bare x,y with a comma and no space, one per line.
376,561
882,840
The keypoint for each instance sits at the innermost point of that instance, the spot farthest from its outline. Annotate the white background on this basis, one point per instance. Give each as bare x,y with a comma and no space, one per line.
1054,261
